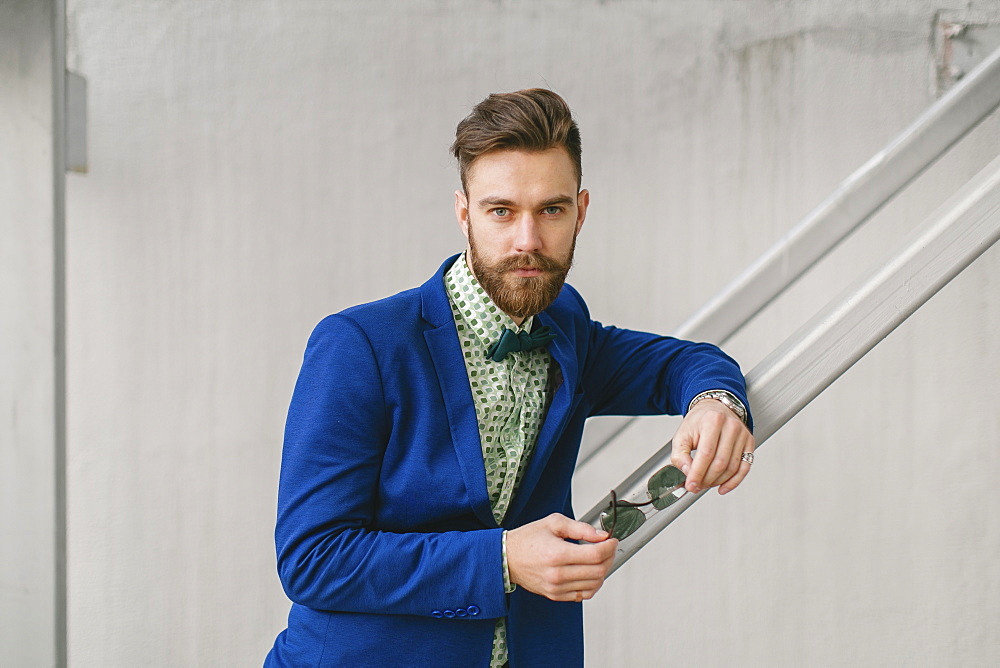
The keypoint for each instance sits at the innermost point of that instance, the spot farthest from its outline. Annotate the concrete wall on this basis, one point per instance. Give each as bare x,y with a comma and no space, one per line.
256,165
32,531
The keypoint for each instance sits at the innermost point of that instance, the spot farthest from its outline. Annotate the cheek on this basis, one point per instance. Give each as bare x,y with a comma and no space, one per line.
497,248
493,242
560,242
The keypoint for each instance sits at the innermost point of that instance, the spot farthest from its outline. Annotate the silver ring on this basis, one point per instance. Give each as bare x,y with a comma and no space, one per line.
747,457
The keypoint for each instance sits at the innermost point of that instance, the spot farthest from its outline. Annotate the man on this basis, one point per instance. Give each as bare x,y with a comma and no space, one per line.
424,504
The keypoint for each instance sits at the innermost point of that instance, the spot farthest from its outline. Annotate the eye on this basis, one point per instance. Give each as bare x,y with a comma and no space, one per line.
500,212
552,210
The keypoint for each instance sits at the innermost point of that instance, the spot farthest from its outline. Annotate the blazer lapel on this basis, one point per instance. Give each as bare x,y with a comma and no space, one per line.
442,343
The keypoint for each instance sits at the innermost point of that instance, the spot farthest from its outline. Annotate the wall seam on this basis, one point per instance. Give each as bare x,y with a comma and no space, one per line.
59,323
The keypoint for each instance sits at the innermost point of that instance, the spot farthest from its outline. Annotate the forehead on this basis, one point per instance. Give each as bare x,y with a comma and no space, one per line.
522,175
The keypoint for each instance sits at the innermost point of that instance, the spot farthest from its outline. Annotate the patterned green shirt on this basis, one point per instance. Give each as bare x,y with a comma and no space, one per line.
511,399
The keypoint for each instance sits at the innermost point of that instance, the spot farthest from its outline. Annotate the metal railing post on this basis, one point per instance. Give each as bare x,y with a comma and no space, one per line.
844,331
854,201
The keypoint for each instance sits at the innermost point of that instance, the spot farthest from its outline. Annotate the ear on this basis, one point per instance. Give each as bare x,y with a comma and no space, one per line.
582,202
462,212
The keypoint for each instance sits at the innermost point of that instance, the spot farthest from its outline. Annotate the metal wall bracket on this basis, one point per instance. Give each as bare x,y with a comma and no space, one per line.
961,41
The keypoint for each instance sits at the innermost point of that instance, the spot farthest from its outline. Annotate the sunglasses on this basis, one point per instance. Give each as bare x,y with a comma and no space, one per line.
622,518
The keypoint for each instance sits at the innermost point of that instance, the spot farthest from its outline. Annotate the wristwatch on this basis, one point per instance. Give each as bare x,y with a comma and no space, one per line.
730,400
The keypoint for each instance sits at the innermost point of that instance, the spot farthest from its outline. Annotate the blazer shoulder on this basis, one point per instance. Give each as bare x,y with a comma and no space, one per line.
401,306
384,322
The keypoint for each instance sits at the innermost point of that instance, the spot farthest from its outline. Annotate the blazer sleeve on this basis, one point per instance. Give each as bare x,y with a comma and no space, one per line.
638,373
330,555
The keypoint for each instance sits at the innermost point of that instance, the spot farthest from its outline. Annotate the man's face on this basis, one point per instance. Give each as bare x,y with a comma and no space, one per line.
521,214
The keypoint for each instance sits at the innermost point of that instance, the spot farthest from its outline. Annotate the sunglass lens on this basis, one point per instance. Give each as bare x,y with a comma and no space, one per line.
629,519
662,486
607,520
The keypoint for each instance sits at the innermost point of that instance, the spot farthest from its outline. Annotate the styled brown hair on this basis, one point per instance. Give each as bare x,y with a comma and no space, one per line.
534,119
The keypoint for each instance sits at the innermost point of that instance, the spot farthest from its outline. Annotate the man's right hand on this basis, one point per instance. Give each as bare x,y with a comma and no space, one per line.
540,559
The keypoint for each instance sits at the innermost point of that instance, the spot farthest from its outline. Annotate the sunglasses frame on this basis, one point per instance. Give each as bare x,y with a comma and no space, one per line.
662,488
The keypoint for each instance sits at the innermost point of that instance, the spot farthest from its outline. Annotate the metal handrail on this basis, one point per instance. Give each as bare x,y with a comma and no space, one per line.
854,201
844,331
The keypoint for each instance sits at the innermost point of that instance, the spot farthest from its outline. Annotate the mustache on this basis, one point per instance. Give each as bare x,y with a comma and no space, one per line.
529,261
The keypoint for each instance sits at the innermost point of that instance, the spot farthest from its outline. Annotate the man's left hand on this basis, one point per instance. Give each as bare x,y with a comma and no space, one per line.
720,439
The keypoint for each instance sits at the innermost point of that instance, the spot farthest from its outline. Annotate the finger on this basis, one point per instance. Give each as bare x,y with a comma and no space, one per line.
576,577
573,561
744,470
566,580
576,596
589,571
736,456
564,527
590,554
680,452
577,591
708,442
727,456
734,482
584,579
584,562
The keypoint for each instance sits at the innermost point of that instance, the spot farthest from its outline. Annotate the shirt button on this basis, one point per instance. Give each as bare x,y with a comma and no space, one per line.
461,612
472,610
449,613
437,613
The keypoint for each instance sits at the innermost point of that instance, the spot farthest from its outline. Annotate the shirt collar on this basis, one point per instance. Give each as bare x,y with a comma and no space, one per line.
476,307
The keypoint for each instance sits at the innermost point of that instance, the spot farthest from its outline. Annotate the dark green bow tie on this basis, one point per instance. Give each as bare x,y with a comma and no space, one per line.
515,342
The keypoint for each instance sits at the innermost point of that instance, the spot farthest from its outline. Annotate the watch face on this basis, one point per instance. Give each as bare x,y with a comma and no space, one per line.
726,398
732,403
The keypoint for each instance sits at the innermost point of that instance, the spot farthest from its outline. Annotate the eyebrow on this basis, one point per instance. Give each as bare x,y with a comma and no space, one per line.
500,201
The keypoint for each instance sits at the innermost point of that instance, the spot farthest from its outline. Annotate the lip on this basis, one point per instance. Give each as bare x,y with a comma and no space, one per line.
525,273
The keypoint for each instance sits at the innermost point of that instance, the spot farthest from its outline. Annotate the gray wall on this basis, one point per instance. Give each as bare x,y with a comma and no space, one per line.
256,165
32,530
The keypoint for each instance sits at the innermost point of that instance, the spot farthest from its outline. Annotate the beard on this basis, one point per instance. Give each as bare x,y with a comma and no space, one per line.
520,296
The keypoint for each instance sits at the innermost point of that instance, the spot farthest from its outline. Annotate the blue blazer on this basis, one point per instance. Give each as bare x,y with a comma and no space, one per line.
386,543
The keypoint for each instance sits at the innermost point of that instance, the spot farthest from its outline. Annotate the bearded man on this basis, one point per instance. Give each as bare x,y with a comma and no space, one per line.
424,511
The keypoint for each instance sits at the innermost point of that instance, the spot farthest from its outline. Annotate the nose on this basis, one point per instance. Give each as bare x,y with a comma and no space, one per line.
528,238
